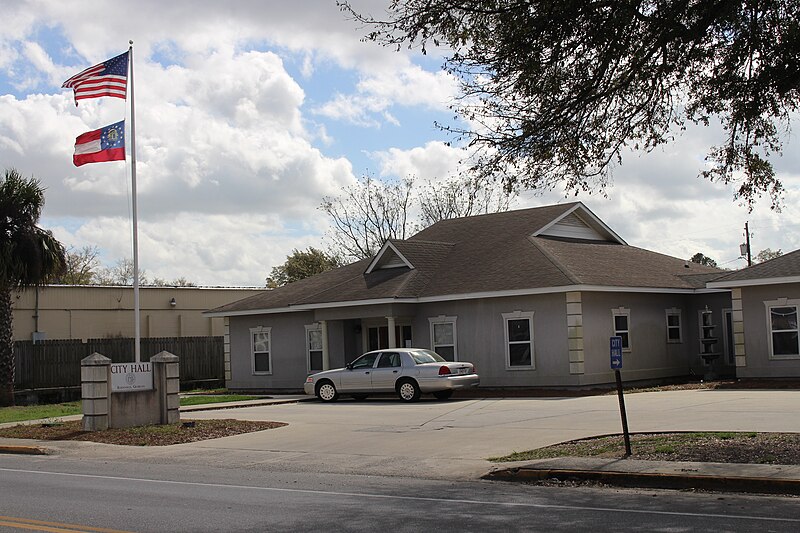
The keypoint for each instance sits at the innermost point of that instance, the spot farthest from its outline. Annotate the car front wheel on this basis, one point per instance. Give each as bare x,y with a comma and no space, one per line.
408,390
326,391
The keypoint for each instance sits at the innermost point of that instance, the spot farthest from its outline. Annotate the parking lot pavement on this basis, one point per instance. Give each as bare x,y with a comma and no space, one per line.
454,438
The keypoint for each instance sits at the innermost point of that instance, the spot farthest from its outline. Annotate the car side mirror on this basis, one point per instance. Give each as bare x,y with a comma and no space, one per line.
349,366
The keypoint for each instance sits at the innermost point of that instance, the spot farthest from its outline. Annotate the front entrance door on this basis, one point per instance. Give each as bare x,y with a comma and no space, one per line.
378,337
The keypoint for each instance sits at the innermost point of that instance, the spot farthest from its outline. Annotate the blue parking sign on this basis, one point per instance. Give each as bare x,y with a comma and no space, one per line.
616,353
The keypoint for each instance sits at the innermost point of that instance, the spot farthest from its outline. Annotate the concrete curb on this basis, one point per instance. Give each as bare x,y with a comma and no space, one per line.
23,450
239,405
758,485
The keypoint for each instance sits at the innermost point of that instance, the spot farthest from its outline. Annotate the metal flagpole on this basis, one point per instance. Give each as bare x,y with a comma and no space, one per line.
136,318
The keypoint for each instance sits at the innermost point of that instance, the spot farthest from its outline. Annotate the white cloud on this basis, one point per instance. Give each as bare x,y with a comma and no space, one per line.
196,246
380,90
434,160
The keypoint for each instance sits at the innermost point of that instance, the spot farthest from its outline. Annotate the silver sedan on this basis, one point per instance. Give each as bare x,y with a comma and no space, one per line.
408,372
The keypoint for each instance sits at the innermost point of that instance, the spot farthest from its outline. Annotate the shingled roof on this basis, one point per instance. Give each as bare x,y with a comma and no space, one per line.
783,269
514,252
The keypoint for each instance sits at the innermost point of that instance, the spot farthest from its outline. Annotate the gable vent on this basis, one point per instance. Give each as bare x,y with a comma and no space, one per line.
572,226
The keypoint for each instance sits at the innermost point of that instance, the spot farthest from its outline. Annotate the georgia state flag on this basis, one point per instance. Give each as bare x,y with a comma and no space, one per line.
105,144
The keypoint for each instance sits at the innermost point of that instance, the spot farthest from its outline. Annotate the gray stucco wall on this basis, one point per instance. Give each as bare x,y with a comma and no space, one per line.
651,356
756,332
288,351
481,337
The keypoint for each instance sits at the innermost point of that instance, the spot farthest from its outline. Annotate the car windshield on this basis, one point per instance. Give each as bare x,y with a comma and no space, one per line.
426,356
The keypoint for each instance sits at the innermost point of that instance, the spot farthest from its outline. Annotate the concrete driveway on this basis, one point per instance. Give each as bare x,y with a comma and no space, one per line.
453,439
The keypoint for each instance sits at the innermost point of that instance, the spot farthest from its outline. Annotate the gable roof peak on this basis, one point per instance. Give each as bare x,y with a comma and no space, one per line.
389,257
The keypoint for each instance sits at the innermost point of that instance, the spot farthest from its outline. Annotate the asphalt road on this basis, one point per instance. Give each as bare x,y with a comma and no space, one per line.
67,494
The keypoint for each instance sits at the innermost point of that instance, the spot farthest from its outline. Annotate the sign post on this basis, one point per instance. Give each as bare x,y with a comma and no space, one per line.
616,366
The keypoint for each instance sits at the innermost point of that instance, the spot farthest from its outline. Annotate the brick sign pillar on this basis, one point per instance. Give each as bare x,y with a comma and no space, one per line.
95,377
166,380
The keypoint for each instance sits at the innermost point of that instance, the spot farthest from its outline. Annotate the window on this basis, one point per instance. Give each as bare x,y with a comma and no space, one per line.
674,332
622,321
783,327
389,360
443,336
260,342
365,361
519,340
314,348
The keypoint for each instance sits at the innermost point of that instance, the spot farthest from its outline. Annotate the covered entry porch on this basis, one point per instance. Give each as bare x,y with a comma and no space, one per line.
345,334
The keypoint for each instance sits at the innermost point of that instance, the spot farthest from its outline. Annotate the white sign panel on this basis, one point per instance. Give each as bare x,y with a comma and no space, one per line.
128,377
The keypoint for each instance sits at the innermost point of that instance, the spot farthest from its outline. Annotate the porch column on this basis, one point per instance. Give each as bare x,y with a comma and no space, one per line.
326,357
392,336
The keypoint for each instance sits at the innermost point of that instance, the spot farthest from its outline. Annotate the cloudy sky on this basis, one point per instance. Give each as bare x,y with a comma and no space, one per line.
248,113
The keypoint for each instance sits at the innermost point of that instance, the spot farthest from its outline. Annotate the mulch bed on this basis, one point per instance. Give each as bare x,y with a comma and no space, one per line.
712,447
161,435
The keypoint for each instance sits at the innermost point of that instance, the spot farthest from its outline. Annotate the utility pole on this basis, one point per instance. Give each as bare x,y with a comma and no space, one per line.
747,236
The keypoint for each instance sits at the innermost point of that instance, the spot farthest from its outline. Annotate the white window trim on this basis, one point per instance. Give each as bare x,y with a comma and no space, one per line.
518,315
669,312
268,331
311,327
442,319
780,302
622,311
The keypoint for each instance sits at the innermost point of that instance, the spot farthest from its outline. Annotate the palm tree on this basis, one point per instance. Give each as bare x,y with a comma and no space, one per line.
29,256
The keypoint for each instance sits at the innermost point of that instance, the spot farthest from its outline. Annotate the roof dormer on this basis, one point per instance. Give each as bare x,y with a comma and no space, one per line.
579,223
388,257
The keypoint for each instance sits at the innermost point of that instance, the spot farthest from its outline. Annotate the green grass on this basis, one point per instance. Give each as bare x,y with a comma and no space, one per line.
37,412
217,398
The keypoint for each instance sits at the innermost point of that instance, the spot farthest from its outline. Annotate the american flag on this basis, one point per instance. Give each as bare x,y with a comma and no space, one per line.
109,78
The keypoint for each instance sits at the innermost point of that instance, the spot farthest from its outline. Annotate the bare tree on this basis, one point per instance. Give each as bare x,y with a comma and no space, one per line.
768,253
177,282
461,197
367,214
120,274
81,266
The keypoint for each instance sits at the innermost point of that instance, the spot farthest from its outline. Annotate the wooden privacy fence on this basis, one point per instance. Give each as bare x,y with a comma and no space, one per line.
57,363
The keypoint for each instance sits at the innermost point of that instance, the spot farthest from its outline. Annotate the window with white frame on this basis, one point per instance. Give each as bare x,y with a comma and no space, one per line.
784,341
260,346
443,336
622,326
314,348
674,329
518,327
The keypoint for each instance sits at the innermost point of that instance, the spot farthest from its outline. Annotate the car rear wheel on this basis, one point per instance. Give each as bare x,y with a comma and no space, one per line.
442,394
408,390
326,391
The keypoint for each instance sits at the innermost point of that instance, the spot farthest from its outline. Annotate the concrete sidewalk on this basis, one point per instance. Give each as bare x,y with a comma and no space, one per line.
726,477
